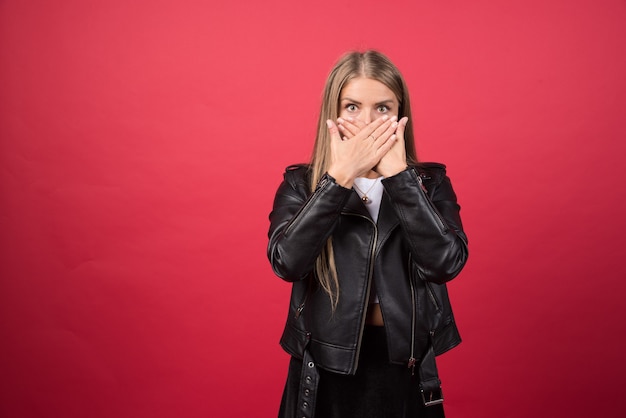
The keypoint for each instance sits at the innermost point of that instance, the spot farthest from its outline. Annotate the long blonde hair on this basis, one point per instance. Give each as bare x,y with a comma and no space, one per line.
369,64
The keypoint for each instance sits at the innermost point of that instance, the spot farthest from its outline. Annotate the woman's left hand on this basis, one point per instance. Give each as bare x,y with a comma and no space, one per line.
395,160
391,163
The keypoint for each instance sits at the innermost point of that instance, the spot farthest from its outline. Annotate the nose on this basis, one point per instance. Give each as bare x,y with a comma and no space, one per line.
367,116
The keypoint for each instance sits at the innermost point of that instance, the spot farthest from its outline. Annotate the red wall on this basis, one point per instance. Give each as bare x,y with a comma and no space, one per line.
141,144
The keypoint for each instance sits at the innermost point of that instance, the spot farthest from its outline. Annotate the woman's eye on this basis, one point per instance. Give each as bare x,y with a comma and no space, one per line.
351,108
383,109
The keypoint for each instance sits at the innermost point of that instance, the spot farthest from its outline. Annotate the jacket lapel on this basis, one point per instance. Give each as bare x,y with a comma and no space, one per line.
355,206
387,220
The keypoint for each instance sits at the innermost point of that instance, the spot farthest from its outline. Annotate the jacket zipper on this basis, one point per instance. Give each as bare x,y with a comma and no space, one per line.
367,291
300,308
412,360
442,224
321,186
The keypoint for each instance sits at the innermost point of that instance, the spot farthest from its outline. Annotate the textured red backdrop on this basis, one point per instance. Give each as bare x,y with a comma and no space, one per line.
141,144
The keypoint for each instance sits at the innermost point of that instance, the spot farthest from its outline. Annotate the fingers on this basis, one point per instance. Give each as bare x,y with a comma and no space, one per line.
376,127
387,145
332,129
380,128
394,158
385,130
350,127
402,127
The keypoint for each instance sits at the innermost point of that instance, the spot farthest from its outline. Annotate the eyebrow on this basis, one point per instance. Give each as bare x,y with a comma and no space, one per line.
389,101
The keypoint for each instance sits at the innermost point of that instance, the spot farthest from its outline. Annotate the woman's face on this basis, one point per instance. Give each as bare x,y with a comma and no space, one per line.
366,100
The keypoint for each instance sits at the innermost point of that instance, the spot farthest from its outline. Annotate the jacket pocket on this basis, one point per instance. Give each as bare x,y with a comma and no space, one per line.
432,296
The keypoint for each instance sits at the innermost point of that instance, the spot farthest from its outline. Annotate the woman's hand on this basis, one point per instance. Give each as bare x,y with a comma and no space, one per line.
349,127
355,156
394,161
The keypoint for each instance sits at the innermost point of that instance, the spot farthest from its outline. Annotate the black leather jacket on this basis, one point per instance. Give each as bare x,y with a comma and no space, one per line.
417,245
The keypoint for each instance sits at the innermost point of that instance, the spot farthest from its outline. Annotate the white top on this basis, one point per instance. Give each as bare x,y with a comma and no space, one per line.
373,189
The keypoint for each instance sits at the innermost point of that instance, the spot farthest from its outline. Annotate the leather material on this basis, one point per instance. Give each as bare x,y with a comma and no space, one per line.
417,246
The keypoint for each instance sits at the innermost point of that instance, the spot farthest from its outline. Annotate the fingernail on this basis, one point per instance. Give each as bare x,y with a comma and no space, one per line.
340,121
329,123
385,117
394,118
394,125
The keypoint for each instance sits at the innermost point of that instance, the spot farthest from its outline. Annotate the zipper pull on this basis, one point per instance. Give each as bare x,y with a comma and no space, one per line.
419,180
411,365
299,310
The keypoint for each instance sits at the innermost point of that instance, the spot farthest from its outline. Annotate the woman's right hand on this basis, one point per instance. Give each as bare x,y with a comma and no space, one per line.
356,156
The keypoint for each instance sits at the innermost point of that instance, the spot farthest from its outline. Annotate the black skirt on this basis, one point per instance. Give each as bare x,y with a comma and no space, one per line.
377,390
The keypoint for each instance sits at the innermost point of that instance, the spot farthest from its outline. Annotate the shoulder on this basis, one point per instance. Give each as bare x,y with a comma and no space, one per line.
297,174
435,172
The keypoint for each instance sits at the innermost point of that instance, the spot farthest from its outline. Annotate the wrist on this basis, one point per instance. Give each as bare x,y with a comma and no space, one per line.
392,171
341,177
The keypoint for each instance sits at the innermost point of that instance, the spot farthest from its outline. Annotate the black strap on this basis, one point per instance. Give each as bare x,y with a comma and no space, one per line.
308,386
430,385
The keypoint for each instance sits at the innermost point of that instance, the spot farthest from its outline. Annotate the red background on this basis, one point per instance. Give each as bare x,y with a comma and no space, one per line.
141,144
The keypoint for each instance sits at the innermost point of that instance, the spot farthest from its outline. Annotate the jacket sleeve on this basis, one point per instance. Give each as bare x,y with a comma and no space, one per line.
301,222
430,221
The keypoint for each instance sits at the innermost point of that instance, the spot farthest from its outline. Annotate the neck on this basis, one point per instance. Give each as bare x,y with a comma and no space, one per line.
371,175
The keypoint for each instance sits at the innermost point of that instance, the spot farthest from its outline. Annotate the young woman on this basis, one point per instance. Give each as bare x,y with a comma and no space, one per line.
368,236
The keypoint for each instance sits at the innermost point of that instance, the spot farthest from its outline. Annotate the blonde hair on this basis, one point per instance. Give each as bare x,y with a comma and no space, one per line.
376,66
